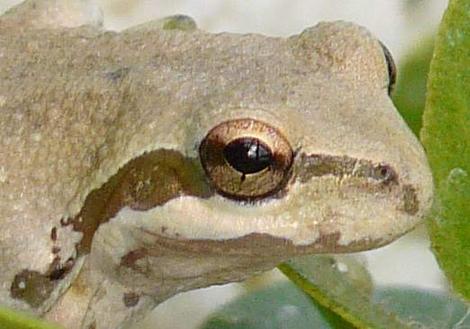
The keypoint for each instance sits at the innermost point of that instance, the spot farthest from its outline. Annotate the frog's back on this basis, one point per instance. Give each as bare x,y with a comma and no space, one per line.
49,139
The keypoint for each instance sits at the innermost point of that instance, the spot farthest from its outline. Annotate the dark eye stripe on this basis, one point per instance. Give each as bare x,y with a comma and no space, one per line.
316,165
145,182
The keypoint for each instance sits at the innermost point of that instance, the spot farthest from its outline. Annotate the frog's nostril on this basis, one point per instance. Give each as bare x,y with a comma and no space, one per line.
386,173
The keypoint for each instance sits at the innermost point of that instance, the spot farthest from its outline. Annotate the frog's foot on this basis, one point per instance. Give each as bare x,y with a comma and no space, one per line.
38,14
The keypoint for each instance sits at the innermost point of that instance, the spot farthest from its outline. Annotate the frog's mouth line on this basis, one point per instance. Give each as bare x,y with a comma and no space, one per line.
259,245
157,177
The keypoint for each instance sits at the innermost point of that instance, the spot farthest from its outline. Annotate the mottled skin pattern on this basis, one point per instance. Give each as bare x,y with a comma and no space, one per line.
92,246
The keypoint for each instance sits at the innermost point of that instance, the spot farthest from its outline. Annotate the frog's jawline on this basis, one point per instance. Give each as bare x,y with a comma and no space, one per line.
157,177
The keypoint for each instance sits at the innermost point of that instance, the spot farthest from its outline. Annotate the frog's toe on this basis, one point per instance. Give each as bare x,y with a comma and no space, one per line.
175,22
39,14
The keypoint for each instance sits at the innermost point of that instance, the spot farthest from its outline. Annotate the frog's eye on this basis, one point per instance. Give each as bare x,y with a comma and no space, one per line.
246,159
392,69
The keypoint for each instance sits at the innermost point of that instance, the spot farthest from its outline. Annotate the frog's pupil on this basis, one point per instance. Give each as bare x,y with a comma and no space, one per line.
248,155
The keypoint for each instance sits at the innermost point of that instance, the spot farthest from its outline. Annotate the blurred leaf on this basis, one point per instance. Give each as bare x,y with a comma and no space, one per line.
14,320
446,136
331,287
284,305
281,305
410,93
435,310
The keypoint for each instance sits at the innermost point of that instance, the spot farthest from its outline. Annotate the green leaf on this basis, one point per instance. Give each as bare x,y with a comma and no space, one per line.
446,136
424,308
331,287
285,305
15,320
410,93
278,306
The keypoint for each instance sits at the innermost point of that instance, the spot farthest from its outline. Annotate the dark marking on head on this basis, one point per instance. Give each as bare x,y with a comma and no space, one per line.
118,74
130,259
55,271
329,240
54,234
317,165
130,299
252,246
58,270
32,287
65,221
147,181
410,200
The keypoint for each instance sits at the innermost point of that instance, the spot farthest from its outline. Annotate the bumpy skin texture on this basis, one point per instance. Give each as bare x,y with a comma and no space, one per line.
79,103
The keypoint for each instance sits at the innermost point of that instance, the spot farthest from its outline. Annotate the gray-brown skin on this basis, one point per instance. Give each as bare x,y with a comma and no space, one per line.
105,207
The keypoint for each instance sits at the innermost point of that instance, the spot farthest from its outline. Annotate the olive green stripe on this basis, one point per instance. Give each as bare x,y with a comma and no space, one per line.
317,165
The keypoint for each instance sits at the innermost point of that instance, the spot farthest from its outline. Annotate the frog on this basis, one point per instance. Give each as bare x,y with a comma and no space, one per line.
139,164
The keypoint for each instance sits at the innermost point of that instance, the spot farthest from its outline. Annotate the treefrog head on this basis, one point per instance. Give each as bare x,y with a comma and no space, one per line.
272,148
304,148
171,160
